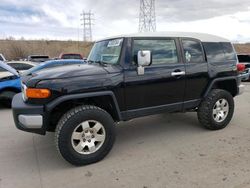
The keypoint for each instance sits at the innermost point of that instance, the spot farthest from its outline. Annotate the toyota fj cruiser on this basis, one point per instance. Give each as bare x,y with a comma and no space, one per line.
128,77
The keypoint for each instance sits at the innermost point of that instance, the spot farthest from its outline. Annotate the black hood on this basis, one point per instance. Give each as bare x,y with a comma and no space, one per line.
69,71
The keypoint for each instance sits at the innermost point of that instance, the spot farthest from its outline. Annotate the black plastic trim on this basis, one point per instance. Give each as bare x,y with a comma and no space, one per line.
236,78
130,114
50,106
20,107
187,105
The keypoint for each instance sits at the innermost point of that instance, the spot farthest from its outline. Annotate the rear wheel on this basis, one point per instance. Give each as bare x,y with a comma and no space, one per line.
85,135
216,110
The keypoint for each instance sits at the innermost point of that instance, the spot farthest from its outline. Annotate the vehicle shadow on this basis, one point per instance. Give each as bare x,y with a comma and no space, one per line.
137,131
158,125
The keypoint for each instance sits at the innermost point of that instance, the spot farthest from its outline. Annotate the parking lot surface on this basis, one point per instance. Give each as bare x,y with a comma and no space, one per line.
166,150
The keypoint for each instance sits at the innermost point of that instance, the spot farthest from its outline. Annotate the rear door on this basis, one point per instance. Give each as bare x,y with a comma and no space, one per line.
197,75
163,82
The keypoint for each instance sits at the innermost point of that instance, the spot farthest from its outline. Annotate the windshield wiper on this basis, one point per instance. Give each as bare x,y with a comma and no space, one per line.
103,63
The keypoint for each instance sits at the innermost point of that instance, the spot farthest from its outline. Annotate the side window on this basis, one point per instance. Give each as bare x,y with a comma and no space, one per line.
214,52
229,51
163,51
25,66
192,51
20,66
1,59
14,65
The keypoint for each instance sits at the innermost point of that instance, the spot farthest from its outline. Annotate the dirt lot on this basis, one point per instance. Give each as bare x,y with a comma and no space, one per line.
167,150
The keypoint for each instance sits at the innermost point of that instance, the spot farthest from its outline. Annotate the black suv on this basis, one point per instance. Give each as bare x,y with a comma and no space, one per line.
128,77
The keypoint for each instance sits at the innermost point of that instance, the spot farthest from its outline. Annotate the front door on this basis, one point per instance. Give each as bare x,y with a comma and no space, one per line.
162,85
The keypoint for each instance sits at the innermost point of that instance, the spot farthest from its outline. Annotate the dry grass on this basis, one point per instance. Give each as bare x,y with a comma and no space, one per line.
20,49
242,48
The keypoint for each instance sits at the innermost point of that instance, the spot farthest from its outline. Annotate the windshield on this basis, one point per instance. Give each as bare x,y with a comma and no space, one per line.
4,67
244,58
107,51
71,56
33,69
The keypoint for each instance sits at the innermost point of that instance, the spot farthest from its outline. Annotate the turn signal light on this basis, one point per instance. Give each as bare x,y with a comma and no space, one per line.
37,93
241,67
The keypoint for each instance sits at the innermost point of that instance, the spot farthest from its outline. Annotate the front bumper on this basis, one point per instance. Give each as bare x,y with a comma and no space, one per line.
27,117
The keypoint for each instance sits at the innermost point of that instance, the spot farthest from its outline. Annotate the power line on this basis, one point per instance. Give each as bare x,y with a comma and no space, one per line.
147,20
86,22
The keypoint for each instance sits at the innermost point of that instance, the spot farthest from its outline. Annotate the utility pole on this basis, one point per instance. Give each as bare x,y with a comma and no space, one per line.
86,22
147,20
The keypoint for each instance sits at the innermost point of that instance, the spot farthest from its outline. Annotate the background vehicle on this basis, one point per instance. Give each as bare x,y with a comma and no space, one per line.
245,59
128,77
38,58
53,63
21,66
10,84
70,56
2,58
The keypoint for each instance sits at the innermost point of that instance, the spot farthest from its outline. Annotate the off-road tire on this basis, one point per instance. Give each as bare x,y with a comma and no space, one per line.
70,121
205,109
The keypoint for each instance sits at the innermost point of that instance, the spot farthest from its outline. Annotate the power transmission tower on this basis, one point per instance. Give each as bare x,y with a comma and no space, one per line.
147,20
86,22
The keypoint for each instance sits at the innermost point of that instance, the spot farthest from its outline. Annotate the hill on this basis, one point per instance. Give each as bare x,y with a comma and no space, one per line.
20,49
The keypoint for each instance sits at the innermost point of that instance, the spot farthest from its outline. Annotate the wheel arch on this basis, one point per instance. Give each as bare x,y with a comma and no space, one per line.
229,84
105,100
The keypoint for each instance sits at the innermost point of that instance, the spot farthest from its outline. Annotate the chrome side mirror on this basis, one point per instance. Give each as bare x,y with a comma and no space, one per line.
144,58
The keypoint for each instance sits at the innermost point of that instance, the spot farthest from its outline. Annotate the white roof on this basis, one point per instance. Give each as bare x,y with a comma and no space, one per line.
200,36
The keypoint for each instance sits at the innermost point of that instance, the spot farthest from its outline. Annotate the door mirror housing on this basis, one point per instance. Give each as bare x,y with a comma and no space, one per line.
144,58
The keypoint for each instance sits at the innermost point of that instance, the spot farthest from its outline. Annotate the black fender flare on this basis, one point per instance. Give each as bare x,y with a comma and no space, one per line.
211,84
50,106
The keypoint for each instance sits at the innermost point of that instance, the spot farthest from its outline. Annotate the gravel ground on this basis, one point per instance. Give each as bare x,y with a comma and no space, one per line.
166,150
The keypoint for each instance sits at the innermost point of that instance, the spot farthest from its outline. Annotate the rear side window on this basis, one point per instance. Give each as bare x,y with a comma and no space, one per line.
192,51
214,52
164,51
1,59
229,51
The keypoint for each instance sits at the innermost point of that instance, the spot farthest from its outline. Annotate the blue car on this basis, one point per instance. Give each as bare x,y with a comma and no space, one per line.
10,84
53,63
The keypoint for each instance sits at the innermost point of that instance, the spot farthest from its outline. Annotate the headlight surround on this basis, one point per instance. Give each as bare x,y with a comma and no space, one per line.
34,93
24,87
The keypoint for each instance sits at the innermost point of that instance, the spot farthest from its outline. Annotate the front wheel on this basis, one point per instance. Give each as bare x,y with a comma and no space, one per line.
85,135
216,110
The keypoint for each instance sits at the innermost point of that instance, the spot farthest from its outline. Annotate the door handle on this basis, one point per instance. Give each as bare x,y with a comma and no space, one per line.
181,73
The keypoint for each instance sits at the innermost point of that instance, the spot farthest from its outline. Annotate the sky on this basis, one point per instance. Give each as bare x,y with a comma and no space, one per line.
60,19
